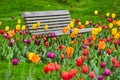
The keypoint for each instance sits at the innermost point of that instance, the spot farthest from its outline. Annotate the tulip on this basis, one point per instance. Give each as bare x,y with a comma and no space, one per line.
15,61
50,55
100,77
106,72
37,42
46,44
84,69
102,64
84,52
92,74
52,34
109,51
96,12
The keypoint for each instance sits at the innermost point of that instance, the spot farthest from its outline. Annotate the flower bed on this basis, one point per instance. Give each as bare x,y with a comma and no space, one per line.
75,56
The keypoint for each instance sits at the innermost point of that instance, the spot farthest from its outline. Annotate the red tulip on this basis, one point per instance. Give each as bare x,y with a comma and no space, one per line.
114,60
46,44
109,51
115,42
79,62
84,52
44,39
108,40
116,64
57,67
62,56
92,74
64,75
46,69
84,69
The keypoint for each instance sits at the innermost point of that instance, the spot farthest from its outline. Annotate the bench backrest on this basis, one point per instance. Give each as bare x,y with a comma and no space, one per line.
56,20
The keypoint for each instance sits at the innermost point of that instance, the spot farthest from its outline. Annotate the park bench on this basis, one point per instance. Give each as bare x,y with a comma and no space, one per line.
56,20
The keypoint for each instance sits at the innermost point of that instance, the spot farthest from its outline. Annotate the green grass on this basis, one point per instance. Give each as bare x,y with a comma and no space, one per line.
84,9
6,69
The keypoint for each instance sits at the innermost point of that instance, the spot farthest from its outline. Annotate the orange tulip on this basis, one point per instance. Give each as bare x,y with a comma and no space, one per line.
69,51
64,30
101,45
35,58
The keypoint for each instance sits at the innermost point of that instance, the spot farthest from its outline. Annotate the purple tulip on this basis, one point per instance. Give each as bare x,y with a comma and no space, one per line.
37,42
84,47
100,77
70,31
119,42
11,42
15,61
26,41
103,64
52,34
13,17
99,52
106,72
96,47
21,32
5,35
25,55
26,31
50,55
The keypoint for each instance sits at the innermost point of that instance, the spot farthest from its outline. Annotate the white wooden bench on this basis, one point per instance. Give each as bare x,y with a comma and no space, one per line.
56,20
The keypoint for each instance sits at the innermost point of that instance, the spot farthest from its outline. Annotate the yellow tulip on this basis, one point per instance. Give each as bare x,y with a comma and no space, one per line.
95,31
118,23
17,27
0,23
96,12
87,22
79,23
108,14
113,15
114,31
38,24
117,36
19,21
30,55
110,25
71,24
68,27
99,29
46,27
34,26
7,28
23,27
76,30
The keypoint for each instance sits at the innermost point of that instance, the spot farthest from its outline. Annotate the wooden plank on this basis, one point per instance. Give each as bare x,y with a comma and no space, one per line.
51,26
59,32
43,30
46,18
45,13
51,23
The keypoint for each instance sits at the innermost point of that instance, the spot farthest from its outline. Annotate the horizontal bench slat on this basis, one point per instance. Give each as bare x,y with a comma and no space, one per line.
51,26
52,23
42,30
59,32
45,13
46,18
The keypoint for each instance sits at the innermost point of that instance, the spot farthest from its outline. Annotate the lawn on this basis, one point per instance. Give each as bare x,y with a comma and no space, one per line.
84,9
